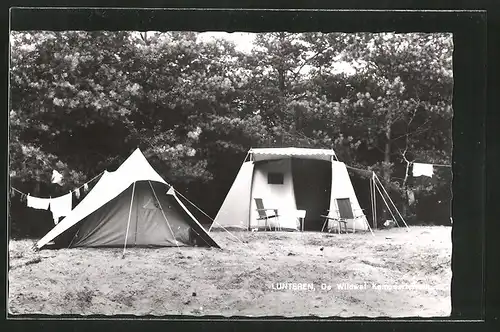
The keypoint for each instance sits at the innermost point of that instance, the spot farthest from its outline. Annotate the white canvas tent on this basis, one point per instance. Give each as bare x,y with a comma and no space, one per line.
131,206
304,179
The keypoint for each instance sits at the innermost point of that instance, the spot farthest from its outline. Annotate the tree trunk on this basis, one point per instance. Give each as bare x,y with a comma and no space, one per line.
406,206
281,80
387,159
37,188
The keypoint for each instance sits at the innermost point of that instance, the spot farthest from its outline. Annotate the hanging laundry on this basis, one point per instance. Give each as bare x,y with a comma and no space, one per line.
423,169
57,177
77,193
85,188
12,192
61,206
38,203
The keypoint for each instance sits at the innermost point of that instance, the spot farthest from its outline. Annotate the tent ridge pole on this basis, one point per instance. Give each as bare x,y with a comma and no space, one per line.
128,222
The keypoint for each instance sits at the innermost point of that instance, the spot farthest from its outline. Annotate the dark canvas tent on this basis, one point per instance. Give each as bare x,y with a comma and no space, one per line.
131,206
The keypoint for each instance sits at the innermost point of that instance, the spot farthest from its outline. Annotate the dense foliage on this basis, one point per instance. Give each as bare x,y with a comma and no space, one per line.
82,101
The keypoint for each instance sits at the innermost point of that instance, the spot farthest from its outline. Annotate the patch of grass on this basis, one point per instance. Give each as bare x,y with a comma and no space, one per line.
374,264
17,255
124,298
315,242
82,298
35,260
85,296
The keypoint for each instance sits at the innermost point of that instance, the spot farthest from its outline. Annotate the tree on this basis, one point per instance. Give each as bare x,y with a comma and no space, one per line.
68,91
408,93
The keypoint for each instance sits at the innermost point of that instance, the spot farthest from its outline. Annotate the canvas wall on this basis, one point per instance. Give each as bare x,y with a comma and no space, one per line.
342,188
279,196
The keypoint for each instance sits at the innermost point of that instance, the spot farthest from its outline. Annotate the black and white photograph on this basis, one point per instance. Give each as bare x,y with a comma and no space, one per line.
212,173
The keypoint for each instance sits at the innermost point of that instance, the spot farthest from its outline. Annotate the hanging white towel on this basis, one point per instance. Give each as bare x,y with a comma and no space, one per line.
77,193
38,203
85,187
61,206
57,177
423,169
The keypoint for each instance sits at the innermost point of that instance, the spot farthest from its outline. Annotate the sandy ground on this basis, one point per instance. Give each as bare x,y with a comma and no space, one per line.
239,280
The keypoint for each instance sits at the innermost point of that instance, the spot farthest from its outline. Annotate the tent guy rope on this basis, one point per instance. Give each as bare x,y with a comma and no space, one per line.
165,217
383,198
376,177
213,221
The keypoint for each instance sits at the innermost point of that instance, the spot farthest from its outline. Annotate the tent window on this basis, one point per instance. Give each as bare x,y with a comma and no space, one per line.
275,178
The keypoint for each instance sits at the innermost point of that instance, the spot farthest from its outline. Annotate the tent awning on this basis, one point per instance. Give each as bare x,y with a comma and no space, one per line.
260,154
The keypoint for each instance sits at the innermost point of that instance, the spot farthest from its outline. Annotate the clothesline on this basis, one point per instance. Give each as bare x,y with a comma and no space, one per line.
19,191
427,172
72,191
435,165
358,169
86,183
95,177
366,170
351,167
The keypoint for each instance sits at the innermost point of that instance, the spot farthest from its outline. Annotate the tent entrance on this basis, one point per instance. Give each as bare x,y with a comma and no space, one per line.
312,185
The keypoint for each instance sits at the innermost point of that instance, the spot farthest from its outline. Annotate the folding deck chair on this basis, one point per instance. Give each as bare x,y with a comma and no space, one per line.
264,214
344,210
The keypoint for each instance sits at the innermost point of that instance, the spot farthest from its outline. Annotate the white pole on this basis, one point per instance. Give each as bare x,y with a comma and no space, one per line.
224,228
376,186
392,202
368,224
374,200
128,222
371,201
